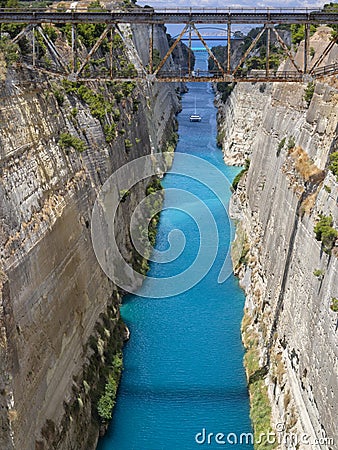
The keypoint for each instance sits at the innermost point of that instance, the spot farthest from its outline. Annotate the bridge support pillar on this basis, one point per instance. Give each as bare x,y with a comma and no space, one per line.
74,48
151,48
33,46
268,35
229,48
306,46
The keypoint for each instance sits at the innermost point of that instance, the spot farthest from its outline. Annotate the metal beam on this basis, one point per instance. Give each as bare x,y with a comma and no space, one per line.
323,55
151,47
267,65
74,48
246,54
286,49
189,51
169,52
176,16
93,50
209,51
229,48
132,51
306,46
22,33
53,50
33,46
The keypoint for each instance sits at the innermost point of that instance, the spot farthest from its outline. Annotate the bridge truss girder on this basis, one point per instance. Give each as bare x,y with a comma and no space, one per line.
73,68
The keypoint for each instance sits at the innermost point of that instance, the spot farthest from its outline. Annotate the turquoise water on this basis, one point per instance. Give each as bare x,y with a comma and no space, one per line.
183,363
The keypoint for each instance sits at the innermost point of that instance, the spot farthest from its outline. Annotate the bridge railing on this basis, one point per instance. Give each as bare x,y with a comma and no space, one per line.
178,10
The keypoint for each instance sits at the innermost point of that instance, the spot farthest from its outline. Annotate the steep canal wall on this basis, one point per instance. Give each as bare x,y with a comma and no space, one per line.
290,278
59,313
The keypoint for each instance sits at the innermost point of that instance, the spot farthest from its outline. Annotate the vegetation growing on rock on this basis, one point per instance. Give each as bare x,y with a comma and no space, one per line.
66,141
326,233
239,176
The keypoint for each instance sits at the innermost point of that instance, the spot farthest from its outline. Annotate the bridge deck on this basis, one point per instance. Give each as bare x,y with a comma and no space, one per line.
150,16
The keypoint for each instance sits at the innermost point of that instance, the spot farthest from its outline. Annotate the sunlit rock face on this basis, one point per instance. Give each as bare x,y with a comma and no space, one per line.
288,279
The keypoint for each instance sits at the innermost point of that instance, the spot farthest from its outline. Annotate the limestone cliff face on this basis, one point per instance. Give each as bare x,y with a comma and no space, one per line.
278,203
59,313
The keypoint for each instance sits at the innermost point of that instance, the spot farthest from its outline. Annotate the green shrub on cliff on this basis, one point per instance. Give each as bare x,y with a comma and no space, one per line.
10,50
281,146
334,163
107,400
66,141
240,174
308,93
334,304
326,233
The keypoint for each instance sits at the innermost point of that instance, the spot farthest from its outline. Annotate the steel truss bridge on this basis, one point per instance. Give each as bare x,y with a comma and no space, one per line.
74,65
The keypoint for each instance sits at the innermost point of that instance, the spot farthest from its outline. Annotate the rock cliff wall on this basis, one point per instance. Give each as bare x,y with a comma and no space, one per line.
288,279
59,313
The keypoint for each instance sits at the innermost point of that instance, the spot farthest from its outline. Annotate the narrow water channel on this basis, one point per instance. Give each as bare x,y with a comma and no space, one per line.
184,362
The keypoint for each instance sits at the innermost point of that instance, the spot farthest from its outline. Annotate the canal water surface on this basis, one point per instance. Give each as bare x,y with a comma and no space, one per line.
183,372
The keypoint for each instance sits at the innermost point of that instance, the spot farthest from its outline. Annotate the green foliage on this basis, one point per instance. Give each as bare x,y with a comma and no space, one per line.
58,96
89,33
107,400
332,7
127,144
156,58
66,141
74,112
334,163
318,273
240,174
154,186
281,146
334,304
291,143
9,4
116,115
260,411
298,32
98,106
110,132
225,89
308,93
327,188
51,32
127,88
124,193
10,50
326,233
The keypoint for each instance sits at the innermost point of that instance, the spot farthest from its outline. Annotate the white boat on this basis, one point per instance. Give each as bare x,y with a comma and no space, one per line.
195,117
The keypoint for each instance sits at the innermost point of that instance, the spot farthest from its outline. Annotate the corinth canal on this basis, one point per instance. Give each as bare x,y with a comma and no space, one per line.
183,372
